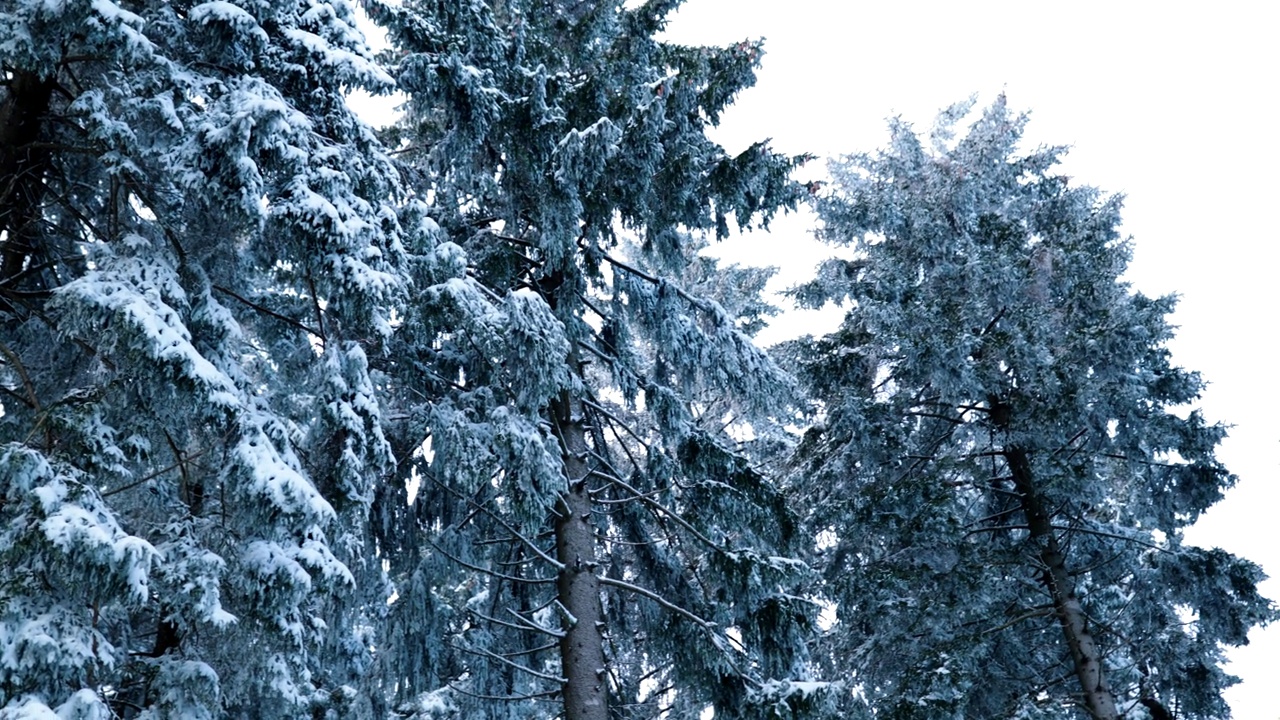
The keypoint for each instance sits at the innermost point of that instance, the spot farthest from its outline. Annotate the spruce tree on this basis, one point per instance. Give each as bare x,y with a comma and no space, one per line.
587,538
1007,456
197,249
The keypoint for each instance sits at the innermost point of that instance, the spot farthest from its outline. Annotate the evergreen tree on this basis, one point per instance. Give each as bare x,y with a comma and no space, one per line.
587,538
1006,458
196,249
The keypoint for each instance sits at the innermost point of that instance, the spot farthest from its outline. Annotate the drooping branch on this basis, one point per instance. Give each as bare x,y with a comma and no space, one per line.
657,282
547,695
668,513
542,555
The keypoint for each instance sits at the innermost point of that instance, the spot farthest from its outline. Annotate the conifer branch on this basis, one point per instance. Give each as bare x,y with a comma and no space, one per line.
268,311
510,663
707,626
505,525
180,463
669,513
614,418
491,573
524,627
549,694
536,626
32,401
1046,611
657,282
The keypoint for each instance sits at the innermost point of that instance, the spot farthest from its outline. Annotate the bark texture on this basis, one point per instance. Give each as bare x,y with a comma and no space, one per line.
1085,655
582,647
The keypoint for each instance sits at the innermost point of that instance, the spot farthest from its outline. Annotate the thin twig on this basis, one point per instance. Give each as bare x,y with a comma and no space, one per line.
1040,612
22,373
268,311
511,663
487,571
709,627
507,526
182,461
506,698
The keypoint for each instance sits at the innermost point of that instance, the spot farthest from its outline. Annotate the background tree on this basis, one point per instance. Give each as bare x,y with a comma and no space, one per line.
197,247
1007,458
587,537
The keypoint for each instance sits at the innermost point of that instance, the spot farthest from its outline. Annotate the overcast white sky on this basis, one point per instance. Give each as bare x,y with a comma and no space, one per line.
1172,104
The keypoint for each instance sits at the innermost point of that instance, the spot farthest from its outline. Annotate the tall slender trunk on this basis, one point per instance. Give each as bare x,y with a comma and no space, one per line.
23,110
1085,655
582,647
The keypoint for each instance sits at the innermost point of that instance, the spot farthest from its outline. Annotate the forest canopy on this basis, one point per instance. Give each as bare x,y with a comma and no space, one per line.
458,418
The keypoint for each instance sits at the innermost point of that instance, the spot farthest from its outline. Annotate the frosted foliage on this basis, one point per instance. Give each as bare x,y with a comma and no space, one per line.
139,299
566,344
358,450
81,705
59,532
1004,459
272,477
84,705
186,690
196,574
536,341
193,266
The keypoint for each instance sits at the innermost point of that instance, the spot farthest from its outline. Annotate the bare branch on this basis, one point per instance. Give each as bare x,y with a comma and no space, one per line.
487,571
267,311
511,663
22,373
507,698
507,526
181,463
525,625
717,638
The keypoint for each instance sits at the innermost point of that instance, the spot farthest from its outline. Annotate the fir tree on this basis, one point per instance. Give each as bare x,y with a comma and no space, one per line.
1007,459
587,537
197,249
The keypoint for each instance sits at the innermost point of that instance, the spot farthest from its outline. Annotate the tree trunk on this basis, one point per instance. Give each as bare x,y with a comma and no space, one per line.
582,647
1085,656
22,166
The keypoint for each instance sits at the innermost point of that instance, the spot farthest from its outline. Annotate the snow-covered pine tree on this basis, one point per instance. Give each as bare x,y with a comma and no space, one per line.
1007,457
197,250
587,537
